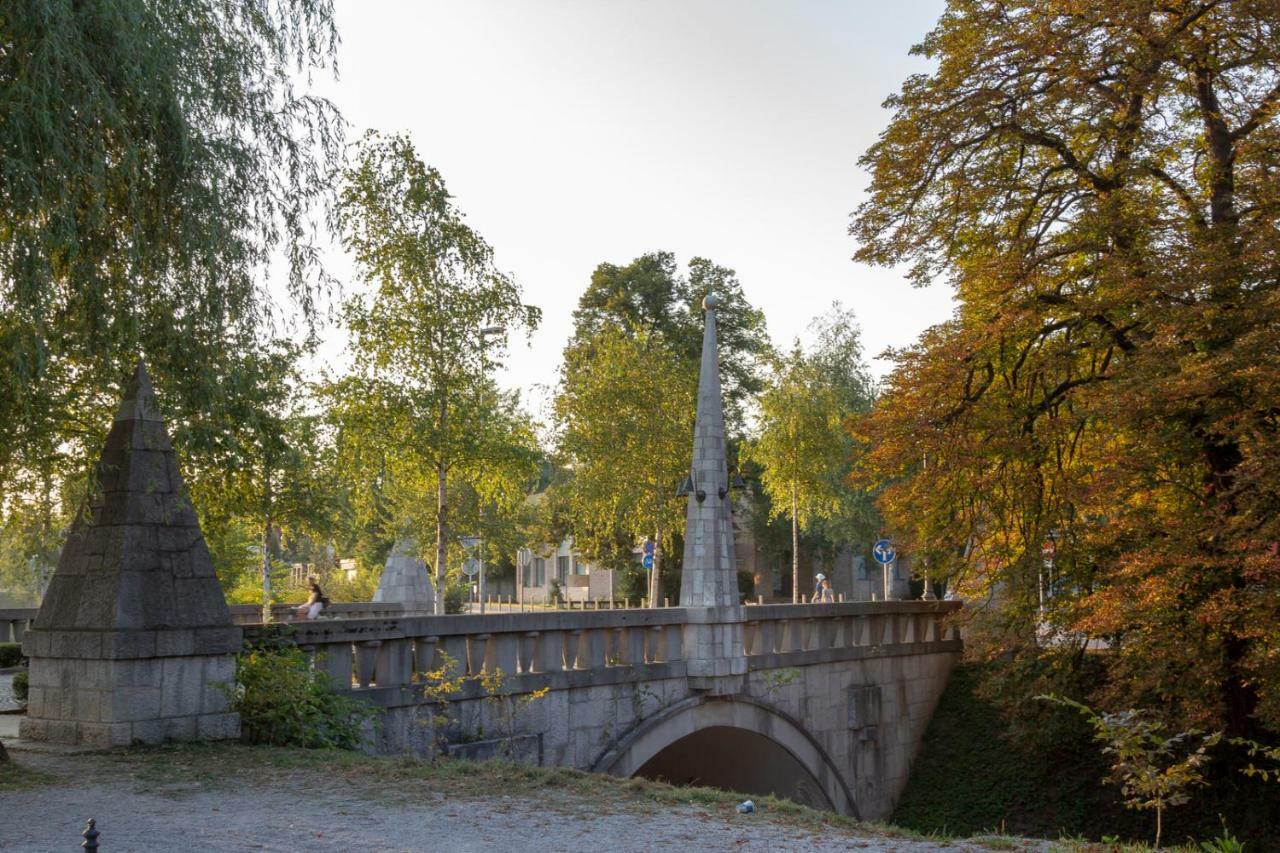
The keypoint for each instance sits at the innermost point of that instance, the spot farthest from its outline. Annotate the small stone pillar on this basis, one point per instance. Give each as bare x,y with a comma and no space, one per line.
134,634
713,635
405,580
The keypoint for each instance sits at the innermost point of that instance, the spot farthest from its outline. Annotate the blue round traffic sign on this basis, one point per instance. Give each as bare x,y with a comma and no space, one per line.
648,561
883,552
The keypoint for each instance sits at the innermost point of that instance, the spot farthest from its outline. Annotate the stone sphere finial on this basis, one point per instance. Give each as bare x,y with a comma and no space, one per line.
710,301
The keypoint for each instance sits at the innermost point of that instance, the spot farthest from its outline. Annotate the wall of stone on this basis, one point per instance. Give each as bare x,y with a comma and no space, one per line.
104,703
869,715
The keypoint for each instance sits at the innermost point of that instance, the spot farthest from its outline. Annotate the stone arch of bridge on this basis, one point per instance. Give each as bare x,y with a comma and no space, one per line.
711,737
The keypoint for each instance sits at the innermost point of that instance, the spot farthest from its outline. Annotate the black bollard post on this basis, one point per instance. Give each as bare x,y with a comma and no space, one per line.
90,835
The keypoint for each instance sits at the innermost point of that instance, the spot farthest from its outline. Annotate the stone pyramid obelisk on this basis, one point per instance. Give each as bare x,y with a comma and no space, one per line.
134,634
405,580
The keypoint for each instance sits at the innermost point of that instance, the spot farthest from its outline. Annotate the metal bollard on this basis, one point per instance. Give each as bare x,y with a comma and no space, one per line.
90,835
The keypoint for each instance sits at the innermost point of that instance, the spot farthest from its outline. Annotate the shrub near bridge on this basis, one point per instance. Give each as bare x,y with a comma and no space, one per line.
282,701
10,654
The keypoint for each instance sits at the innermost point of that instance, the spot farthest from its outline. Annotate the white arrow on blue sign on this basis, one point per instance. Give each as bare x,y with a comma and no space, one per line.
883,552
648,546
648,561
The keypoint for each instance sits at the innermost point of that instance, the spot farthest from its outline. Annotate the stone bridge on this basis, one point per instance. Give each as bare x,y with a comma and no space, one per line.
829,708
822,703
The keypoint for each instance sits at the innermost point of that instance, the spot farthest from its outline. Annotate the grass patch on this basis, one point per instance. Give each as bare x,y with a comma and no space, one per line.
181,770
15,776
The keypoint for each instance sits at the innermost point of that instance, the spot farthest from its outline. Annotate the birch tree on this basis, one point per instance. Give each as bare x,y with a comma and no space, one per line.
426,338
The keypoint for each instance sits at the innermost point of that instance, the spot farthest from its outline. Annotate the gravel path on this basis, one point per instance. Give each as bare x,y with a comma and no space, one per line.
311,815
7,702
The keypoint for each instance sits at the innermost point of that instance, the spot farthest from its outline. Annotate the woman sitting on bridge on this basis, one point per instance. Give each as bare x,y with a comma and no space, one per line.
315,603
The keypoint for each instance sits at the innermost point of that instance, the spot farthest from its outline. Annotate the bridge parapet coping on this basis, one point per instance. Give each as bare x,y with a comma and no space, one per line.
800,634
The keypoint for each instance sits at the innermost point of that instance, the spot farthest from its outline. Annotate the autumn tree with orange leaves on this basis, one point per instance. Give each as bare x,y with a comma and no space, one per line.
1100,181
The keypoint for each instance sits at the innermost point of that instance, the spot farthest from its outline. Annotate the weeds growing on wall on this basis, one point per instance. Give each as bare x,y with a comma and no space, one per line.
283,701
440,686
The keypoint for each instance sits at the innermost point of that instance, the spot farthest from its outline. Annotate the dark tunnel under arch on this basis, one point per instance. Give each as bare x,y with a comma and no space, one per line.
735,743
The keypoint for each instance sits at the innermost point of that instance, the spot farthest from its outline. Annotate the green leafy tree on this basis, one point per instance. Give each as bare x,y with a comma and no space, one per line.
1098,182
153,158
625,412
649,296
264,463
422,355
802,448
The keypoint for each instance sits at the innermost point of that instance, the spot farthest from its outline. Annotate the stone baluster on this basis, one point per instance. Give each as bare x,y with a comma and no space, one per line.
366,661
792,635
334,660
768,637
853,628
675,643
503,654
655,651
617,654
574,656
633,646
591,649
477,652
424,653
750,634
529,661
393,663
455,647
812,634
827,630
552,658
888,629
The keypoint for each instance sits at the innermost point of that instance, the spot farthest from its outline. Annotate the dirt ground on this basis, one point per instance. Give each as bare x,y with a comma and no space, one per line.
231,801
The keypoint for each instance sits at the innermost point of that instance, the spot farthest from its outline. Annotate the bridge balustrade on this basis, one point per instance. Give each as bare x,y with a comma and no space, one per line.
251,614
780,635
14,623
384,661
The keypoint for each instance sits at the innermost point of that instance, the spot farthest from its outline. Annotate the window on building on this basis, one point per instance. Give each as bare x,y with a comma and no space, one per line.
562,569
526,573
539,571
860,568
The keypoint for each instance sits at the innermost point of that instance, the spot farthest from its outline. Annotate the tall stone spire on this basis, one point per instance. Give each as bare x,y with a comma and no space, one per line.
709,578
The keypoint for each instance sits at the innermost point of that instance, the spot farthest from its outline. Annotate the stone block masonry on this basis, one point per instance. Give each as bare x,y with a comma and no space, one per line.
134,636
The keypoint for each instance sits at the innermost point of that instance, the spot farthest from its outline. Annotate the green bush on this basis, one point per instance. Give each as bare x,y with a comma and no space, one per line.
10,654
282,701
456,596
20,685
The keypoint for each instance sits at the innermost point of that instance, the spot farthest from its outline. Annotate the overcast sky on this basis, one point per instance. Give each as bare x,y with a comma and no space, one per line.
573,133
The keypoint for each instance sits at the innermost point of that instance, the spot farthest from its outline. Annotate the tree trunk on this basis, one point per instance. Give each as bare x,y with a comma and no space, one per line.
266,545
655,574
795,546
442,532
